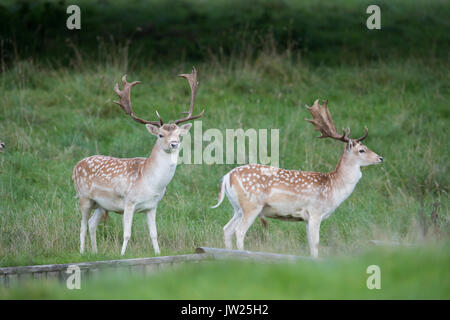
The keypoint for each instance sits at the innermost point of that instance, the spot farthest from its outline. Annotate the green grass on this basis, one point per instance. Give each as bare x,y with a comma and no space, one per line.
54,112
419,273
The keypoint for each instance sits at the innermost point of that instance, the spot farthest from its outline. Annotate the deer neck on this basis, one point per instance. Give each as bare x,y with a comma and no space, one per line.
345,177
159,168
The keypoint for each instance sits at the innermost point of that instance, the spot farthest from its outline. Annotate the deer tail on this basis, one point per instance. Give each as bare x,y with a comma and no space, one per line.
225,181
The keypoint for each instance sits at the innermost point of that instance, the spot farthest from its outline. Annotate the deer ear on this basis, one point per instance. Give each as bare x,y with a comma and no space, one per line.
152,129
349,145
185,128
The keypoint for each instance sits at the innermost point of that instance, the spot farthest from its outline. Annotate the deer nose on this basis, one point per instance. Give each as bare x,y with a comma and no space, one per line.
174,144
380,158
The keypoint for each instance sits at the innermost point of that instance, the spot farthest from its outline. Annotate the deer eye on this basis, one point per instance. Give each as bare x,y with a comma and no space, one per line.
160,135
362,151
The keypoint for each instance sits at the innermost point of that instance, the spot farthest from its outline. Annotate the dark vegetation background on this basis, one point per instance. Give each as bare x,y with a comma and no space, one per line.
259,62
322,32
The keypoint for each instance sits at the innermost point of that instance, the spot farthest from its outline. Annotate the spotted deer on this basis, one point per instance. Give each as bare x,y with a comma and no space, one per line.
258,190
127,186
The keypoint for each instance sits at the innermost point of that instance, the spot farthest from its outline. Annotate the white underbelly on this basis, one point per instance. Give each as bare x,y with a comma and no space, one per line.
285,211
114,204
117,204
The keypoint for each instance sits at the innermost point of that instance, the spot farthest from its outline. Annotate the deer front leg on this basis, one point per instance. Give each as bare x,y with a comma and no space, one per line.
127,221
86,208
313,229
151,222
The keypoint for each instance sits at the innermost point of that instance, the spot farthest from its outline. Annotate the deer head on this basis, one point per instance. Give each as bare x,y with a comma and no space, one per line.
354,149
168,134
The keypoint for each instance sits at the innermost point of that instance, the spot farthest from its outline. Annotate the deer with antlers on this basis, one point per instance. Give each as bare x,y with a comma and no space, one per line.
258,190
131,185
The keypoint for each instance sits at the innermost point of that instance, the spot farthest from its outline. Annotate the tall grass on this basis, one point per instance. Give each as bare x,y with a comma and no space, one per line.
52,118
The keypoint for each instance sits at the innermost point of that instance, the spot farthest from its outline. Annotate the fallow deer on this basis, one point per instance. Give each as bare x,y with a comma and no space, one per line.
258,190
130,185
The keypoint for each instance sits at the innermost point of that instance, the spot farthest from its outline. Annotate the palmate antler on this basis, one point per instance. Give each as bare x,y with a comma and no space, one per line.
193,83
323,122
125,100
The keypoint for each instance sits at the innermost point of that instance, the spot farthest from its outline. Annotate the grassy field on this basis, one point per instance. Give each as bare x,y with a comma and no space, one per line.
57,117
336,278
53,114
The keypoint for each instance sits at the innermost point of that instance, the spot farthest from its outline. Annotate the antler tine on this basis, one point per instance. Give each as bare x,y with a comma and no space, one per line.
366,133
161,122
125,101
323,122
193,83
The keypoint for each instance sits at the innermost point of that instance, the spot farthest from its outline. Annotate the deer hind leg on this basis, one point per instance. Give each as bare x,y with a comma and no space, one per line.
230,228
93,224
249,214
127,221
86,208
151,222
